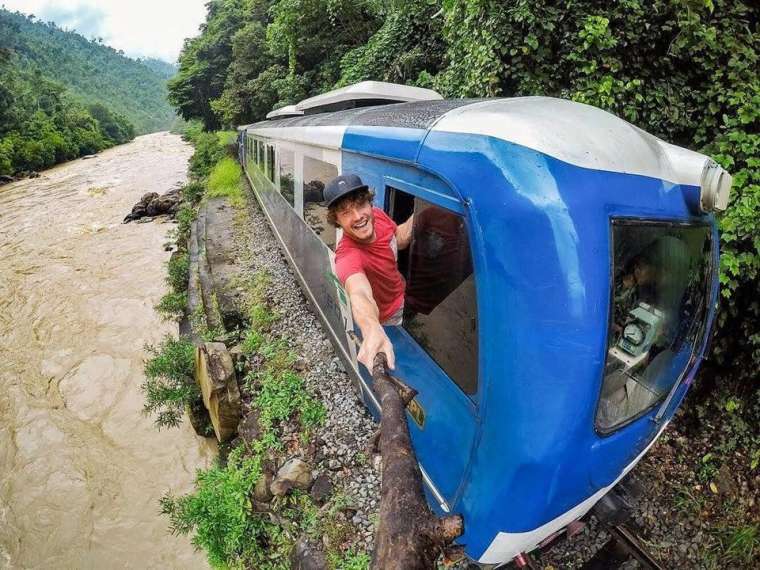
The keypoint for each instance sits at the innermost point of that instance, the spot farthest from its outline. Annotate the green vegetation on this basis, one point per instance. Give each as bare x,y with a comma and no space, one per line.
208,151
90,71
224,181
219,513
169,386
178,268
41,124
172,305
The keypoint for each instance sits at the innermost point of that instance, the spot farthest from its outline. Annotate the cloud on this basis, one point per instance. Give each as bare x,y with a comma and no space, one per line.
85,19
139,27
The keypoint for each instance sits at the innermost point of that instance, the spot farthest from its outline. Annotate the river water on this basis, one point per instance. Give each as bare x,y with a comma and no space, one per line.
81,469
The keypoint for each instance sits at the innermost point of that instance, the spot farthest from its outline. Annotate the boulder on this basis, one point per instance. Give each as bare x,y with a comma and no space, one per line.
215,374
295,473
5,179
34,174
307,556
321,489
152,209
146,198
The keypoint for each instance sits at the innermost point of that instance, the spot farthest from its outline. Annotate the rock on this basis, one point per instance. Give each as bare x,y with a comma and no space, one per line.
215,374
238,358
145,220
34,174
295,473
249,428
321,489
89,156
146,198
261,492
152,209
5,179
307,556
725,483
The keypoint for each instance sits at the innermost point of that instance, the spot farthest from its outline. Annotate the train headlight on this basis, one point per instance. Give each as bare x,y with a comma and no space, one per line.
715,188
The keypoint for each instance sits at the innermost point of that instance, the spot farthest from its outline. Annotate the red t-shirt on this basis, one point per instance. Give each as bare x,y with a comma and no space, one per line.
377,260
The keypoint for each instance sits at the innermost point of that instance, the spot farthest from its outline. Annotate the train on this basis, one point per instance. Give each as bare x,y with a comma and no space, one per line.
562,275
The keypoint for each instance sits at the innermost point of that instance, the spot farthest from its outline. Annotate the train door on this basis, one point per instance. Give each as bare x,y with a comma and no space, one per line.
437,344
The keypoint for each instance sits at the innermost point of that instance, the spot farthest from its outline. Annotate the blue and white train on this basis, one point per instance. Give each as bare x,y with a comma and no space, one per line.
561,286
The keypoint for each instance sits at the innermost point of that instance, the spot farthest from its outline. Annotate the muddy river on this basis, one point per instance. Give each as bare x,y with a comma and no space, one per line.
81,469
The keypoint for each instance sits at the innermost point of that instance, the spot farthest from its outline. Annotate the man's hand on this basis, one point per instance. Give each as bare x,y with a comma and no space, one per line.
404,233
375,340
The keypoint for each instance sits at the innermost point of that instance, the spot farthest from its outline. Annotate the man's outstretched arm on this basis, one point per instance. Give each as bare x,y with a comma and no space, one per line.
366,315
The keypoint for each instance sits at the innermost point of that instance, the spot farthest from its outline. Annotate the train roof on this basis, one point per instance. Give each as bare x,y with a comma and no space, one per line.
575,133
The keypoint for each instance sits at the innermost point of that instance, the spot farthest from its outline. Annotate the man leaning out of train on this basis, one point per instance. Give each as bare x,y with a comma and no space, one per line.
365,262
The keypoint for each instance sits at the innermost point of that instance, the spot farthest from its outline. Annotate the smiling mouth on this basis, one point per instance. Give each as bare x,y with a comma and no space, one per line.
361,225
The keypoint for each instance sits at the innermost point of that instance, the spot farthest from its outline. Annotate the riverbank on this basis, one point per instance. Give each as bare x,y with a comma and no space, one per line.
82,469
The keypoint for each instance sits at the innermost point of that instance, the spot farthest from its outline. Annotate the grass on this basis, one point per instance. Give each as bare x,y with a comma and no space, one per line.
224,181
172,305
169,384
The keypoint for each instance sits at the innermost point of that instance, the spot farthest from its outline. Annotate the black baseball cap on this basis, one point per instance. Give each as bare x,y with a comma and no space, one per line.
342,185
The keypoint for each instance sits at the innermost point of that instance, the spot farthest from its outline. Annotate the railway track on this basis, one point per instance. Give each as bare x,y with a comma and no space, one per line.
624,545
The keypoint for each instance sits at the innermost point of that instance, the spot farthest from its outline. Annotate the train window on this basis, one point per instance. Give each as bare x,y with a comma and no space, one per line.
270,162
440,306
287,174
660,295
260,154
316,174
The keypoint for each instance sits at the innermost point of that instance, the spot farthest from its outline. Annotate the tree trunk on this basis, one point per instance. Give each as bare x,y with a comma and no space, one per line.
409,536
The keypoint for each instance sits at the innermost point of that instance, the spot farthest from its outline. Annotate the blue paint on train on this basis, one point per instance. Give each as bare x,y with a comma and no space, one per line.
523,450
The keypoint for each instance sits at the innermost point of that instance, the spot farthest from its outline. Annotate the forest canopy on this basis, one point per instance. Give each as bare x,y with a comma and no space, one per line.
62,96
91,71
684,70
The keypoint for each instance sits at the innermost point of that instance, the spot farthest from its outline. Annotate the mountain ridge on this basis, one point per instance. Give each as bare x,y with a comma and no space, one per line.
91,71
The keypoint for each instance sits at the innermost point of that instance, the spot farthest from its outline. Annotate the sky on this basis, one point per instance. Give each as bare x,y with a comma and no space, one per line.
142,28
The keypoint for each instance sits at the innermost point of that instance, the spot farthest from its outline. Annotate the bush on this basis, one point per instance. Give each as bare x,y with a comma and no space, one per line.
192,192
172,305
169,384
185,217
208,151
178,274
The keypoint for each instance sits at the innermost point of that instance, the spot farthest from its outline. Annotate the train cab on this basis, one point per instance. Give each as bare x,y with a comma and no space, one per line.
561,283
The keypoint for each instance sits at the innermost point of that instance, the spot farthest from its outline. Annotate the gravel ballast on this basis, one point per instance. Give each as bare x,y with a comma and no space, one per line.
348,427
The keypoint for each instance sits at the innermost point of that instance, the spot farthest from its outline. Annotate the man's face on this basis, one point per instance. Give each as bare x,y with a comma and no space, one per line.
356,220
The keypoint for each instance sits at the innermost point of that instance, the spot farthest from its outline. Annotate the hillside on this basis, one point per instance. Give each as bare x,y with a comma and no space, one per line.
92,72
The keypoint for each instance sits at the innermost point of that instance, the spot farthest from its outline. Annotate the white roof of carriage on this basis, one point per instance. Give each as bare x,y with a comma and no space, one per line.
370,90
286,111
578,134
573,132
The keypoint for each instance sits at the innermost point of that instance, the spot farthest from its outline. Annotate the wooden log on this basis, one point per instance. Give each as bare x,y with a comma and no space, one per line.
409,536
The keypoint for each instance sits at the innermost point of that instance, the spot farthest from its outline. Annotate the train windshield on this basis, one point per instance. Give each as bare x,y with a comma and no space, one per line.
661,290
